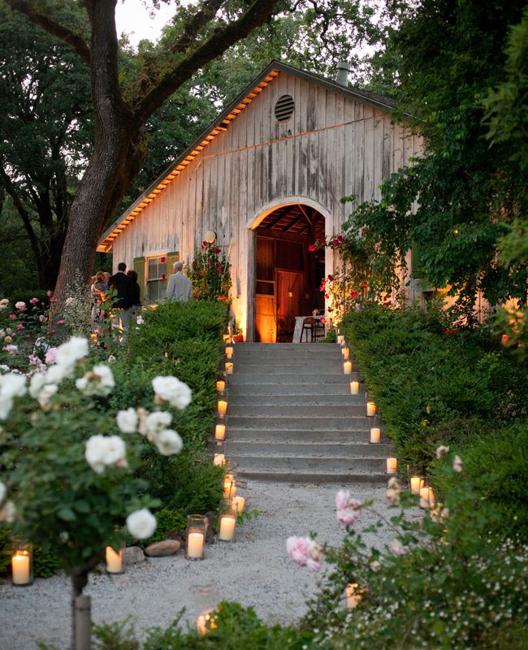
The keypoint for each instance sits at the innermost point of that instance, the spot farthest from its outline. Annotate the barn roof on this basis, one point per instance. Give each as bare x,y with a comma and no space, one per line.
219,125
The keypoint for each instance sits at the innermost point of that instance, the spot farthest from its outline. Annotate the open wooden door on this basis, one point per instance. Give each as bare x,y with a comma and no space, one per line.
290,297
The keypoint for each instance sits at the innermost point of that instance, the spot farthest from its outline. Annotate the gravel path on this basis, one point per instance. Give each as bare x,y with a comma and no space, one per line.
254,571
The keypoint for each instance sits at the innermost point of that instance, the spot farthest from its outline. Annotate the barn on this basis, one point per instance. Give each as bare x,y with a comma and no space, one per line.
265,180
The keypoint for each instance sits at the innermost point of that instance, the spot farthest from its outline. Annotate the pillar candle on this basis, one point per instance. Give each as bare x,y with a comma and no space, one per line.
371,409
238,504
220,432
21,565
205,622
340,339
222,407
220,385
424,497
416,484
347,367
354,387
230,488
375,434
353,596
346,353
227,528
219,459
229,367
114,560
392,465
229,352
195,545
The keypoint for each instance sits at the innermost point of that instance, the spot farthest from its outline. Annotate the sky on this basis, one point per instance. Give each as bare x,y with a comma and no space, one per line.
133,18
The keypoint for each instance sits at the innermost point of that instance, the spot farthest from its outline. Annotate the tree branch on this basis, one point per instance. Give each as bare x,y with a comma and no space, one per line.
220,40
75,41
195,23
24,214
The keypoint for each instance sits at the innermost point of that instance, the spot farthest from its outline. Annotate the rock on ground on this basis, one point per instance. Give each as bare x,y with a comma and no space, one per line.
254,570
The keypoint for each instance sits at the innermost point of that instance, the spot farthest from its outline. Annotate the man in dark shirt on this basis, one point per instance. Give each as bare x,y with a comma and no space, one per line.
120,282
121,285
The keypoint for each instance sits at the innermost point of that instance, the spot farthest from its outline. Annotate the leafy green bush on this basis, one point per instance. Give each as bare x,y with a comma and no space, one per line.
433,384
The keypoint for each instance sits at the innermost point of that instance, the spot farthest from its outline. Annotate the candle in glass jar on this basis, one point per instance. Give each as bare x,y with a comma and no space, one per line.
392,465
431,496
346,353
340,339
230,488
424,497
229,352
219,459
238,504
375,434
371,409
229,367
220,385
205,622
21,566
220,432
416,484
222,407
227,527
347,367
114,560
354,387
195,545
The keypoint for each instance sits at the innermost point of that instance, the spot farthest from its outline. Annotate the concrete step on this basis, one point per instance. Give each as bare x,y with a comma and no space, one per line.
313,477
270,436
304,411
349,423
306,464
241,378
305,390
305,449
293,400
313,348
303,369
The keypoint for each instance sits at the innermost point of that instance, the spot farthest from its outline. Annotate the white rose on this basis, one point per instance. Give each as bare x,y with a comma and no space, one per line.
168,442
70,352
104,451
98,381
156,422
127,421
8,512
55,373
172,390
141,524
458,465
3,492
397,548
12,385
46,394
6,404
3,304
115,451
37,383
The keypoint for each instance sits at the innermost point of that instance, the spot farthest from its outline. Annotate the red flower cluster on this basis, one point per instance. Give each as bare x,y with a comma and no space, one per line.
337,241
354,294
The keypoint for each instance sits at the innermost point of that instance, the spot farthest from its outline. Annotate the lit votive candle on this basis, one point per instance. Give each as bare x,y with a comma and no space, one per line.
195,546
222,407
416,484
424,497
431,496
227,527
205,622
340,339
346,353
229,367
354,387
371,409
219,459
115,560
220,385
230,488
220,432
375,434
392,465
22,572
238,504
353,595
229,352
347,367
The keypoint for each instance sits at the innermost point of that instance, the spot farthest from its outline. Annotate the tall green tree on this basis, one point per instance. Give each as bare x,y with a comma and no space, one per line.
454,204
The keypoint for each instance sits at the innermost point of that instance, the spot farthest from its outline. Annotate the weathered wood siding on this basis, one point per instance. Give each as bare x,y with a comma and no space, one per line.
333,145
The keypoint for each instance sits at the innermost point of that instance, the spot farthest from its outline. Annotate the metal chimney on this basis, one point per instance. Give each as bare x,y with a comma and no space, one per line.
343,70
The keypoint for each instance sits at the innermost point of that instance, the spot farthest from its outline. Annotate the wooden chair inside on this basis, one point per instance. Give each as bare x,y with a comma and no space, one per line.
308,326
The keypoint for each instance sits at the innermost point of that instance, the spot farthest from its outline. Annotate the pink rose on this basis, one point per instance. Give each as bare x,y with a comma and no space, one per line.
348,517
342,499
43,318
348,509
12,316
20,326
304,552
34,301
50,356
61,321
11,349
20,305
397,548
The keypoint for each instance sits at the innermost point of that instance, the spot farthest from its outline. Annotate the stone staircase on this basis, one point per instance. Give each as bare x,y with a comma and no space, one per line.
291,417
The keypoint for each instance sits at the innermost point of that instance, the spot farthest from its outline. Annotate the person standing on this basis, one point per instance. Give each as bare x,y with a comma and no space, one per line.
133,298
120,283
179,286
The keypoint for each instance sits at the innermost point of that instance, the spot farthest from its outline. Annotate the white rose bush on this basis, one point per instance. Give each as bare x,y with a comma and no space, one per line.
69,479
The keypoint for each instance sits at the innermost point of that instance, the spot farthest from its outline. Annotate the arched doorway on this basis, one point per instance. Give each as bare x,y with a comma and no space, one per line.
287,275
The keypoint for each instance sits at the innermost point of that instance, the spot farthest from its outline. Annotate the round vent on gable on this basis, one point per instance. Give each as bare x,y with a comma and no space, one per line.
284,107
